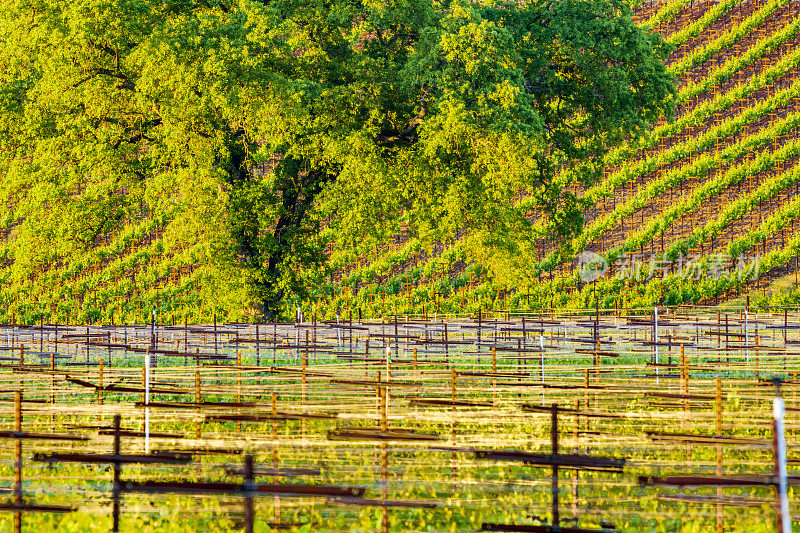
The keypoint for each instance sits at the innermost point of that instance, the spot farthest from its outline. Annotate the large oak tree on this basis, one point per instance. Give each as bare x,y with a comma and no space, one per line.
247,125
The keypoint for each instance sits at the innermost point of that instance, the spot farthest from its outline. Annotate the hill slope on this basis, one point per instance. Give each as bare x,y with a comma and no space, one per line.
714,189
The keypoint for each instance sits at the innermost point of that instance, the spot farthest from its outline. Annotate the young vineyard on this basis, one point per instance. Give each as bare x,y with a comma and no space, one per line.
636,420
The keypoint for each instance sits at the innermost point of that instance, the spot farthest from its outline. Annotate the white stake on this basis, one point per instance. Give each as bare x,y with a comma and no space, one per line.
778,410
147,377
746,336
541,346
655,327
147,401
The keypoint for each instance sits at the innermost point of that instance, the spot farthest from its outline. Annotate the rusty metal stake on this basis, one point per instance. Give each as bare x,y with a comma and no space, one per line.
100,383
249,483
117,487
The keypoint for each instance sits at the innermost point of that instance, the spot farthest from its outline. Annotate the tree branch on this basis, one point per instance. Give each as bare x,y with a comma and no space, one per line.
390,138
126,82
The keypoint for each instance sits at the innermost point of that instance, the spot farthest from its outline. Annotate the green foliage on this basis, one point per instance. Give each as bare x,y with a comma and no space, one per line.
727,39
667,12
699,166
709,189
697,27
736,210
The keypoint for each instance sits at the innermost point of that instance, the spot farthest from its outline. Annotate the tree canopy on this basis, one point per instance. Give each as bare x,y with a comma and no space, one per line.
247,127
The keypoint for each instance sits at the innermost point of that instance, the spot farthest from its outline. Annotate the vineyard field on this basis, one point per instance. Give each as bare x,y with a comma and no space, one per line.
663,422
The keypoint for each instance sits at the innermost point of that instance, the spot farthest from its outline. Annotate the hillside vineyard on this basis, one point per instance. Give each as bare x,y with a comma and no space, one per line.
701,211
